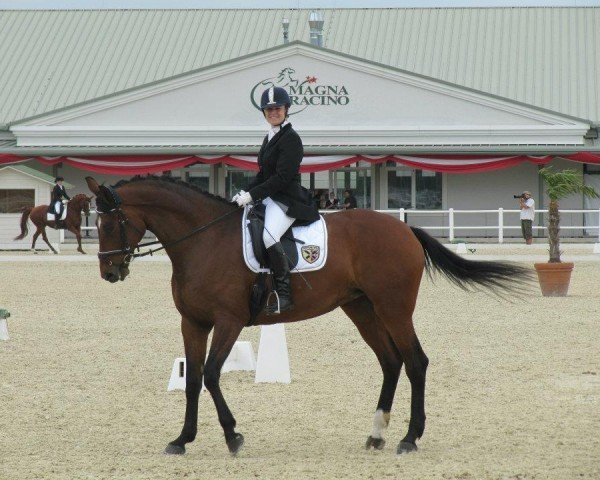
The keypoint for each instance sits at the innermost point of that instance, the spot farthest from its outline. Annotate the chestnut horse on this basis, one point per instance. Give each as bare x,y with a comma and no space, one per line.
373,273
79,203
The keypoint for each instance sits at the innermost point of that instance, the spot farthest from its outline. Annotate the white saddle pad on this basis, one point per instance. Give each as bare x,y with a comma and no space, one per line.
50,216
312,254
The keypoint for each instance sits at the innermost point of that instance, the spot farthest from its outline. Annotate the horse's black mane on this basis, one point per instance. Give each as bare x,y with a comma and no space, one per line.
173,181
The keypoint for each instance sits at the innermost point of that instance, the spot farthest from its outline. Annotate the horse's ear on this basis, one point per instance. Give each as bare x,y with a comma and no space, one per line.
93,185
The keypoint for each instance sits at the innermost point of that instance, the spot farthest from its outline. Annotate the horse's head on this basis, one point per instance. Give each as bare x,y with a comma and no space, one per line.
120,229
83,202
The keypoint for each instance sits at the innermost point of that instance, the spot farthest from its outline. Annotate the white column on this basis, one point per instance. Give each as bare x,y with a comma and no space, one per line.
500,225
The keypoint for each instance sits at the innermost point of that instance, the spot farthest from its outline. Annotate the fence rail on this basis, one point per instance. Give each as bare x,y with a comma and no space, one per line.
452,226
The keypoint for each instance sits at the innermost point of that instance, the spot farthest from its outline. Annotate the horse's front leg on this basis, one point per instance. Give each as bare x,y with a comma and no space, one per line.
227,330
194,340
46,240
77,233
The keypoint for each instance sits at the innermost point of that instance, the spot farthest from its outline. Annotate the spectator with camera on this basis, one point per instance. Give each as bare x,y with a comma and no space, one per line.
527,206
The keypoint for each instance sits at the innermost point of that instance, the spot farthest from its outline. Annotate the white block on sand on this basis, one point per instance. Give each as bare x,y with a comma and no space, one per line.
461,248
241,357
177,380
273,364
3,329
596,247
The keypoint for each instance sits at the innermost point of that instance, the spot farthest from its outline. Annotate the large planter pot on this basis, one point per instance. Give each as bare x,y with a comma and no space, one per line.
554,278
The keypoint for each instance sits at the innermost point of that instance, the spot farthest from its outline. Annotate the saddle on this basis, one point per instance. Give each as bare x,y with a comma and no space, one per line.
256,227
50,215
305,247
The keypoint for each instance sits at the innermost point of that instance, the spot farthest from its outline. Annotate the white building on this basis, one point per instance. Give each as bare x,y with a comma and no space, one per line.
412,108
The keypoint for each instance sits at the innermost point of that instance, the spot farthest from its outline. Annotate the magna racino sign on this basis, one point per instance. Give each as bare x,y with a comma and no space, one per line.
303,94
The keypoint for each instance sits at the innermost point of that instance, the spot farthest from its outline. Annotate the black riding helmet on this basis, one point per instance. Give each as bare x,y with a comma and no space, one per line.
274,97
59,179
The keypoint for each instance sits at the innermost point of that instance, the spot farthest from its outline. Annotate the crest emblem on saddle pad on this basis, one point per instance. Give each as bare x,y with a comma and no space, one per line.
311,253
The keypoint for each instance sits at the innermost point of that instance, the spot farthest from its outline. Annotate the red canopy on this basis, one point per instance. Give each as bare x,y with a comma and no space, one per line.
140,164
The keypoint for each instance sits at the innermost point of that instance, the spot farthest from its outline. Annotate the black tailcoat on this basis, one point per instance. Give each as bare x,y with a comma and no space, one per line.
279,175
58,194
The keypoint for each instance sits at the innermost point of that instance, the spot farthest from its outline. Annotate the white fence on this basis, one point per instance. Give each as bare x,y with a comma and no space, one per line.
449,221
452,224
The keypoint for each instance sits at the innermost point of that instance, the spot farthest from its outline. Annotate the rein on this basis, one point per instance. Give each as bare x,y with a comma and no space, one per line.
175,242
129,251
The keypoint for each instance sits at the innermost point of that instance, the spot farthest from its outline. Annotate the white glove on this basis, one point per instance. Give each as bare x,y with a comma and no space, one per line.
237,195
244,198
65,201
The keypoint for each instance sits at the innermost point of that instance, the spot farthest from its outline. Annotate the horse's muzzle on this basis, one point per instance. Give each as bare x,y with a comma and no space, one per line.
116,273
111,277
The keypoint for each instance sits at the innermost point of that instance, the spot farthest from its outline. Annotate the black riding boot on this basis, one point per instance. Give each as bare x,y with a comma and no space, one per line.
281,278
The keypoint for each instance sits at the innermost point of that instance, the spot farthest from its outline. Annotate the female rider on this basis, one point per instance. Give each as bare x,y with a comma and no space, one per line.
277,185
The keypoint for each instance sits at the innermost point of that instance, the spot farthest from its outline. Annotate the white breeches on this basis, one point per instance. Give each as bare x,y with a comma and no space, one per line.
276,223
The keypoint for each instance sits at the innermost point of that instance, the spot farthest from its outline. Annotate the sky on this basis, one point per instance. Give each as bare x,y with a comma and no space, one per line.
281,4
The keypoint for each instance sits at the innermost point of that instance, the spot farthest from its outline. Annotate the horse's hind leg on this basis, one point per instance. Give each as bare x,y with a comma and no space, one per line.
194,339
35,237
374,333
397,318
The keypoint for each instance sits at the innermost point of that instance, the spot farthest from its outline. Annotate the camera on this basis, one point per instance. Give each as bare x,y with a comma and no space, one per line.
519,196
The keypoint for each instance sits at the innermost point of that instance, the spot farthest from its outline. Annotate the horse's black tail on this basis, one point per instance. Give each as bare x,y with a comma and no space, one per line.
24,217
500,277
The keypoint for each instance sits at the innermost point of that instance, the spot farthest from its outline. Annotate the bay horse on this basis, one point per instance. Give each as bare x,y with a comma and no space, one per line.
373,273
79,203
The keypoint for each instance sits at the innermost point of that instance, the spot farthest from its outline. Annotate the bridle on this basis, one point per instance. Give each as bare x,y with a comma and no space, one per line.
128,250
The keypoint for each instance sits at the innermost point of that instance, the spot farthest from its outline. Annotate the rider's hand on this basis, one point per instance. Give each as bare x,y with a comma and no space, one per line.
237,195
243,198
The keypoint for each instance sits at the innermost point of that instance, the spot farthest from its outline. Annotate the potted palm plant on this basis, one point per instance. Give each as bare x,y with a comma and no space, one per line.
554,276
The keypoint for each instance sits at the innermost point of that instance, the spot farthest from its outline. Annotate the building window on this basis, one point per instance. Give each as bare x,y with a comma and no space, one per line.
399,188
357,179
237,179
198,175
13,201
591,169
409,188
429,190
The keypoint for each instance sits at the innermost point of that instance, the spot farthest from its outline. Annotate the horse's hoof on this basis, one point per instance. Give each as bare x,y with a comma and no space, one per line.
174,449
235,444
406,447
35,252
376,443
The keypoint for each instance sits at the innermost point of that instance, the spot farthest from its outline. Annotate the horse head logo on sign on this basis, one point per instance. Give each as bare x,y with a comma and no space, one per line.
303,94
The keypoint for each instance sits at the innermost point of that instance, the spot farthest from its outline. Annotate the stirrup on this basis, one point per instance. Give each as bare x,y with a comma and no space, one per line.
269,306
275,308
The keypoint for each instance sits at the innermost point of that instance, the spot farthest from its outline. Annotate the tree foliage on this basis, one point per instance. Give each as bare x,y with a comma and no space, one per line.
561,184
